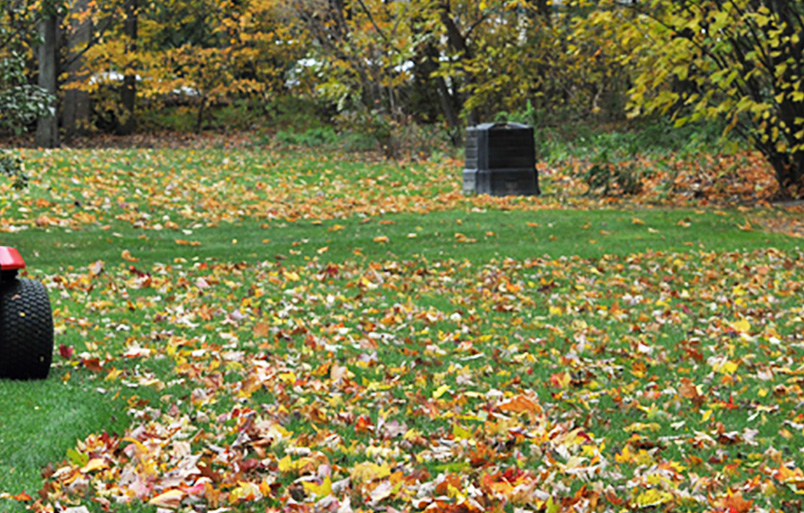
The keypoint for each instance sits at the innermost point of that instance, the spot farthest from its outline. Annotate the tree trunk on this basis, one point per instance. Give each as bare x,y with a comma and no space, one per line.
76,107
458,43
128,95
47,128
449,103
543,10
788,167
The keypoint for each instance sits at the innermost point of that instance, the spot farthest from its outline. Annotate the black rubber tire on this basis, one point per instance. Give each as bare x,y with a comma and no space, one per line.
26,330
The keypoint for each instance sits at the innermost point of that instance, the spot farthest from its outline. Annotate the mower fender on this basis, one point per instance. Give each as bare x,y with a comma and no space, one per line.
10,259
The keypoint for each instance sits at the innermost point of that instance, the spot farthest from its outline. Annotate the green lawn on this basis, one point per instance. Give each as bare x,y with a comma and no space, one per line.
369,321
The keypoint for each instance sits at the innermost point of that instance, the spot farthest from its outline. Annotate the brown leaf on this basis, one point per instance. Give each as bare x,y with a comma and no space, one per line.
690,391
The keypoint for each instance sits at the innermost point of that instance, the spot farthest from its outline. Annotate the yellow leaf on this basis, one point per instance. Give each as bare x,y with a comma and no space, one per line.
287,377
639,426
653,497
461,433
382,239
440,391
369,471
727,367
285,464
319,491
411,434
637,220
743,326
625,456
552,506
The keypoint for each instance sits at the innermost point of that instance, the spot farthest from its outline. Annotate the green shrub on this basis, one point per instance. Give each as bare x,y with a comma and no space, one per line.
612,178
21,103
11,166
310,138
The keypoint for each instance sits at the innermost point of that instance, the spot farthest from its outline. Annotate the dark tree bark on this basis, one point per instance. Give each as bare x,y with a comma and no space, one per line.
76,107
128,95
457,42
542,10
47,128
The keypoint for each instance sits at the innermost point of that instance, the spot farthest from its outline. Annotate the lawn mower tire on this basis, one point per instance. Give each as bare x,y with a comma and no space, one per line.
26,330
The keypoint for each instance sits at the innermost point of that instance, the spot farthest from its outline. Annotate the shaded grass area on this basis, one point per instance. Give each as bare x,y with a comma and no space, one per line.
40,420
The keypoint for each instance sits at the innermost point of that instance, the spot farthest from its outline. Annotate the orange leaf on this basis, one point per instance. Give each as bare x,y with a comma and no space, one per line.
22,497
734,503
521,404
126,255
363,424
261,330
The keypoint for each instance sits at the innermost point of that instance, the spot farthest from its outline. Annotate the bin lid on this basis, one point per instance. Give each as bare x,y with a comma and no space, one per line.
502,126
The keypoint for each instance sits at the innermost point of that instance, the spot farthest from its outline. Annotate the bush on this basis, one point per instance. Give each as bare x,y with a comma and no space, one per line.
21,104
310,138
11,166
611,178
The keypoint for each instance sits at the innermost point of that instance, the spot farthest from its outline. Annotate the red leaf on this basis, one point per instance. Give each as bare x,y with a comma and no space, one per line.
66,352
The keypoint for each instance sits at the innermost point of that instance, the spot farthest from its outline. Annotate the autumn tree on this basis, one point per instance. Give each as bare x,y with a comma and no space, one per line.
741,61
200,51
359,58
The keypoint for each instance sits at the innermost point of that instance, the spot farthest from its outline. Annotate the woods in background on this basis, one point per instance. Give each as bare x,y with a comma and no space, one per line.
381,66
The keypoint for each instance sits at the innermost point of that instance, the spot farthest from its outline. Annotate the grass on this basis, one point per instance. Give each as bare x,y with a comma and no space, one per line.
41,420
333,253
477,236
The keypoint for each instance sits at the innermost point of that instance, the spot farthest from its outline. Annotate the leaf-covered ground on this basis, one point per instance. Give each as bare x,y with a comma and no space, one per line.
326,377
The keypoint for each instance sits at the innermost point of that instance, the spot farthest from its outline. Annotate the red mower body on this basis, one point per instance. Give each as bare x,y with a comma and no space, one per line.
26,322
10,259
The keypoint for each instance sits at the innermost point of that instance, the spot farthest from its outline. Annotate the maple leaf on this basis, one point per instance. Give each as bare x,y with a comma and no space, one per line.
318,490
66,352
261,330
690,391
520,404
652,498
369,471
734,503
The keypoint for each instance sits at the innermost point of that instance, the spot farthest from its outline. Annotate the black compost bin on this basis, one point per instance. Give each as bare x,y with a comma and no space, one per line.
500,160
